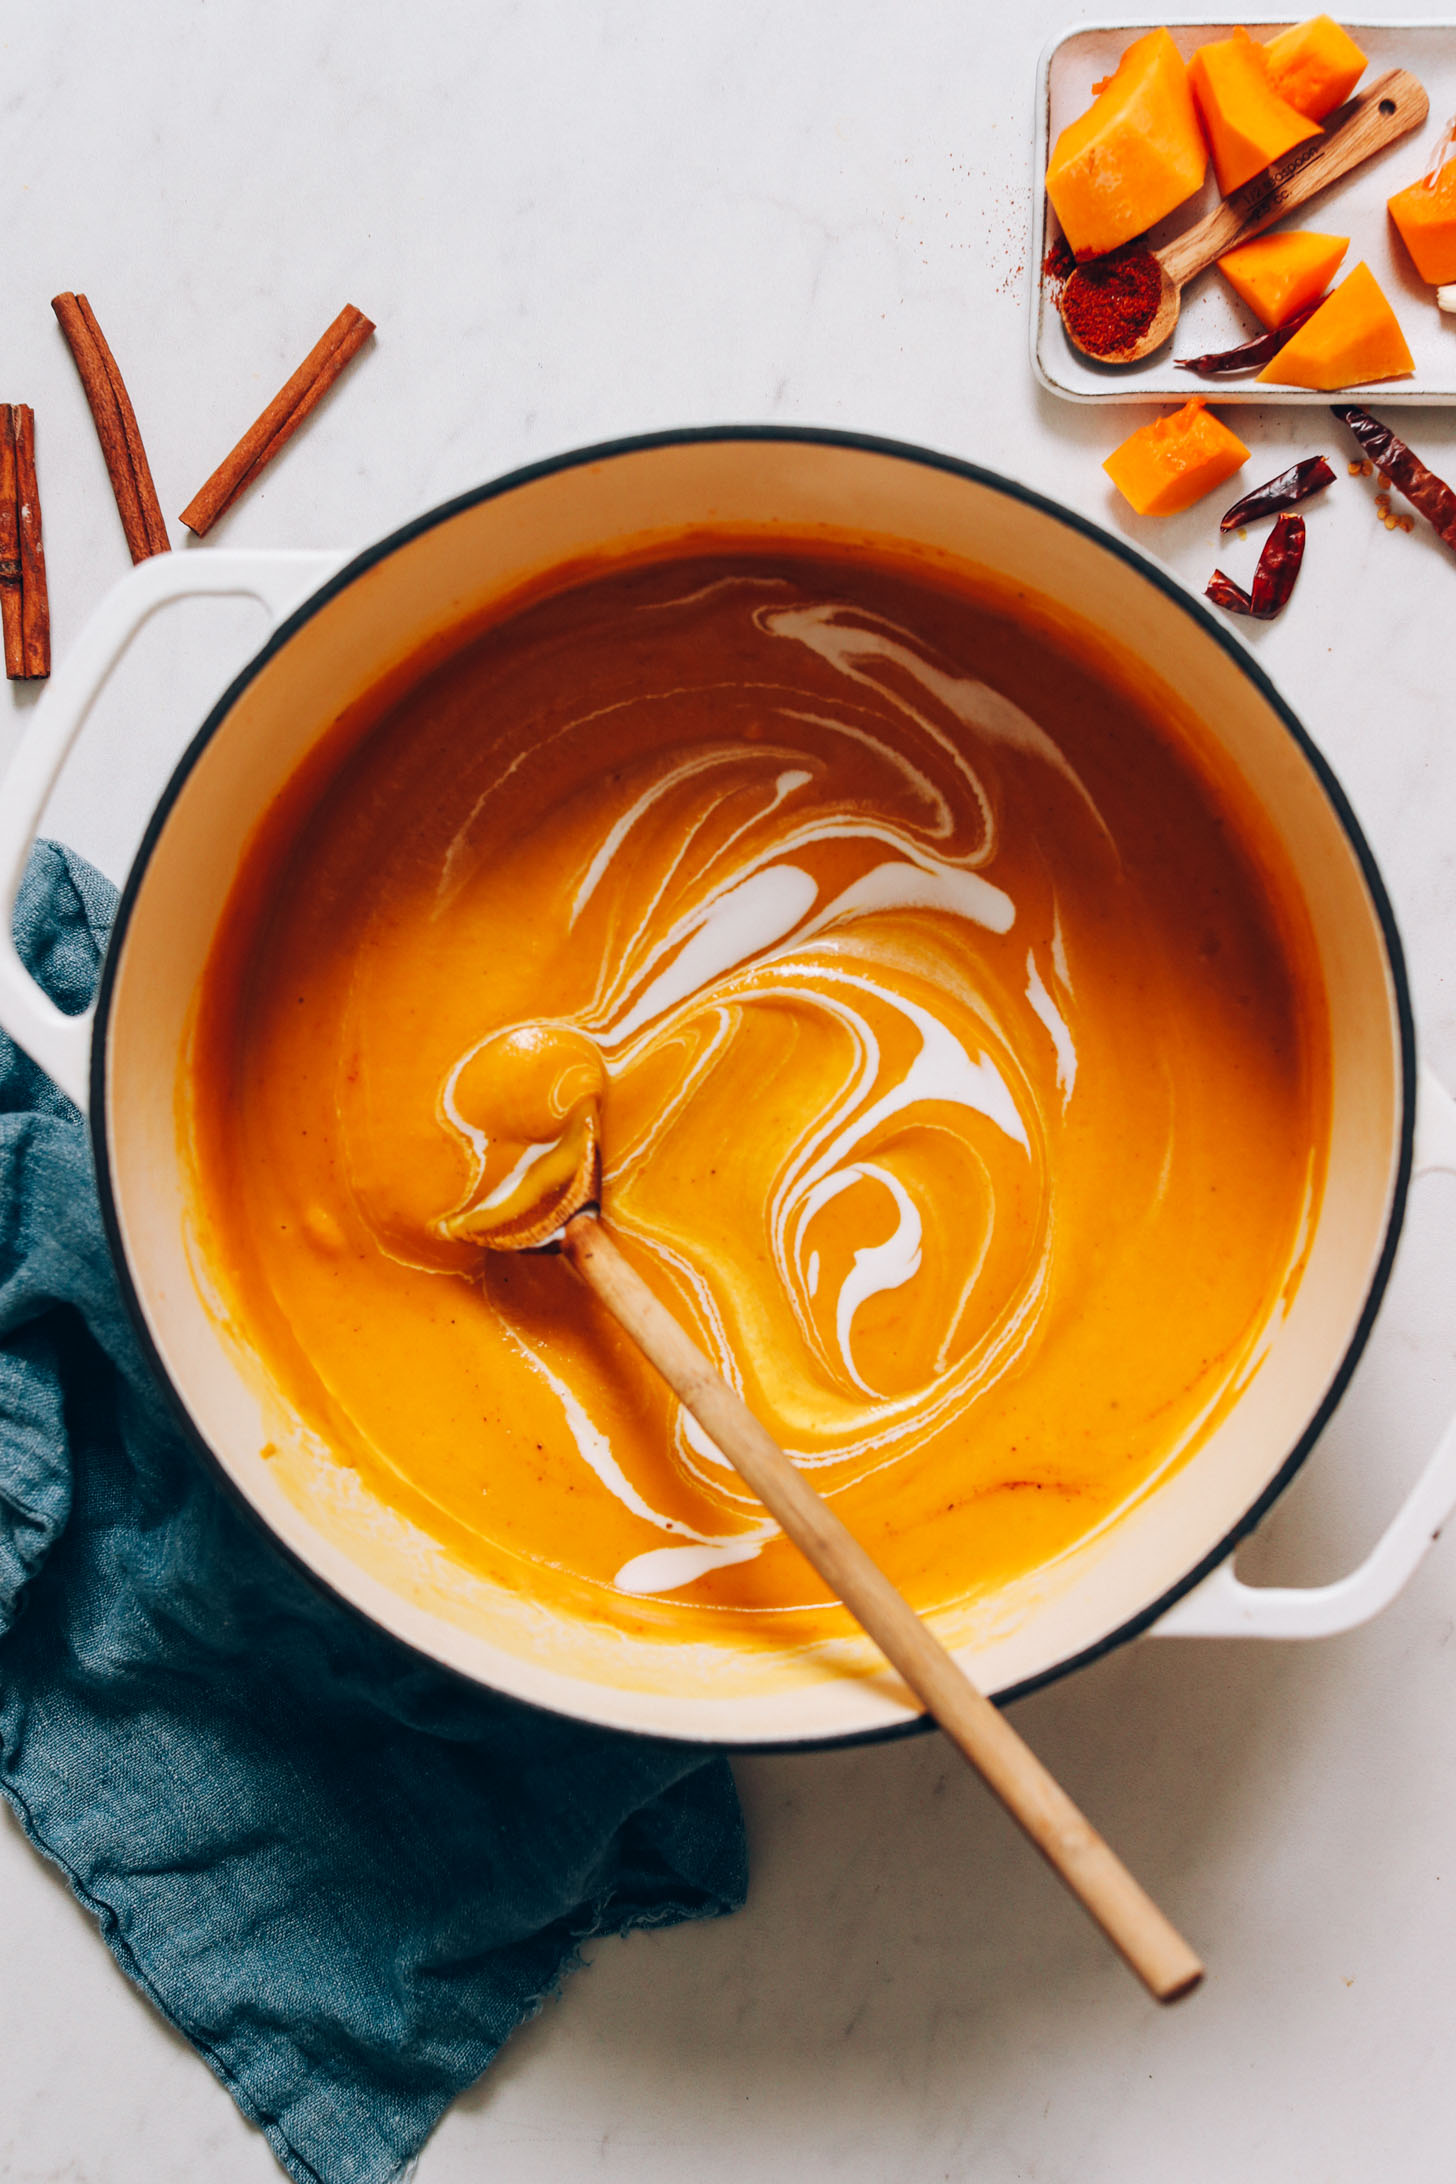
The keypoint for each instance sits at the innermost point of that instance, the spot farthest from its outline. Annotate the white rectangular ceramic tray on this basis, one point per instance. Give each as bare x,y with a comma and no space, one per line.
1212,317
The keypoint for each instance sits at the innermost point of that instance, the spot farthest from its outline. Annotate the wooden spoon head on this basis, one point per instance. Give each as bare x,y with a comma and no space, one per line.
542,1226
1110,275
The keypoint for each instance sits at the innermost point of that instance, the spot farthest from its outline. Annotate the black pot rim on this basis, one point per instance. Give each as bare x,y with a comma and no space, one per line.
905,451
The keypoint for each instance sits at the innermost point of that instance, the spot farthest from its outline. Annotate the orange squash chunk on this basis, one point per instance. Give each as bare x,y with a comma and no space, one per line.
1248,123
1136,153
1353,337
1277,275
1425,214
1314,66
1168,465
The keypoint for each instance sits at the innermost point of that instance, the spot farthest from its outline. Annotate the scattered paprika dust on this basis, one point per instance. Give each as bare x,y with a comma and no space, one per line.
1110,304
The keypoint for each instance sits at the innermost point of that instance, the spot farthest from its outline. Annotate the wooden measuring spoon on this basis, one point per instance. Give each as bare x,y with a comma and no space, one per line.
1393,106
1095,1875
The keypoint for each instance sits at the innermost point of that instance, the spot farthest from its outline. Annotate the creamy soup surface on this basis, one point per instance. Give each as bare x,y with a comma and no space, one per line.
961,1086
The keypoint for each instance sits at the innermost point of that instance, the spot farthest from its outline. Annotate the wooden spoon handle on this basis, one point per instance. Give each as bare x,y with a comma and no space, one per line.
1393,106
1126,1914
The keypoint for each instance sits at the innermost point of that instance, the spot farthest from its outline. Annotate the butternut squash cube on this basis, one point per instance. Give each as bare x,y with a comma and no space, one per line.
1168,465
1425,214
1136,153
1249,125
1277,275
1314,66
1353,336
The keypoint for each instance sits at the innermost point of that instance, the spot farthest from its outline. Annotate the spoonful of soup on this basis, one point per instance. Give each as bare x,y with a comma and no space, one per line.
529,1100
532,1095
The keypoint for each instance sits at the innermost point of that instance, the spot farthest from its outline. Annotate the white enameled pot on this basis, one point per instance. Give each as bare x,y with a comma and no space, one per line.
1164,1565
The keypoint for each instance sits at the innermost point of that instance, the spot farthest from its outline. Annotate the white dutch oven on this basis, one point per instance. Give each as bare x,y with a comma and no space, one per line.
1164,1566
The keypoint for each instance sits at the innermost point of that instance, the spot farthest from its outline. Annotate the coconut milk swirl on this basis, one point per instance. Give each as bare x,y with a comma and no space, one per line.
836,1051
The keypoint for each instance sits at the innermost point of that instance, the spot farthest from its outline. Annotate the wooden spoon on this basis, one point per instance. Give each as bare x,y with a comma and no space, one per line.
1126,1914
1393,106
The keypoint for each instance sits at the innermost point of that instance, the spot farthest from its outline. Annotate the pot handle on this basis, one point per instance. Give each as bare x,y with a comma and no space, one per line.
1223,1607
61,1044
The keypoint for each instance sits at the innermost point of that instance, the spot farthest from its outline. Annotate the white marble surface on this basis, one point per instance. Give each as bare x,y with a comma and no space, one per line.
578,218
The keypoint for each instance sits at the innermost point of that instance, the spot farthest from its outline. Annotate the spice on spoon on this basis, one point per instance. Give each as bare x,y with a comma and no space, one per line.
1290,487
1274,578
1109,305
1249,356
1058,267
1401,467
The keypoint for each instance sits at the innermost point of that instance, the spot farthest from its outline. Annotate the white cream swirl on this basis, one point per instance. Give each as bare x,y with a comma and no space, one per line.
817,895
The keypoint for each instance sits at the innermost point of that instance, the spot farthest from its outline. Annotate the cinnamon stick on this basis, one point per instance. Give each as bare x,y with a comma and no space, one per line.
10,548
280,420
116,428
35,612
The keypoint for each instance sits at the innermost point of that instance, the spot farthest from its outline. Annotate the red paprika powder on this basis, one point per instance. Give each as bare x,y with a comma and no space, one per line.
1110,304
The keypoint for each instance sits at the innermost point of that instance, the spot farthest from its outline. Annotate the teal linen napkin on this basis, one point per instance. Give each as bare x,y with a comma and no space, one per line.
342,1874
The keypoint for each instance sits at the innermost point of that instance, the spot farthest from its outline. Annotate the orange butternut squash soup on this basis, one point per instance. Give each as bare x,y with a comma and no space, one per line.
961,1070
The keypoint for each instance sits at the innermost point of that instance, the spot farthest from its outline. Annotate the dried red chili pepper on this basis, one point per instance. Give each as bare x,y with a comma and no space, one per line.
1273,579
1228,363
1427,493
1278,568
1224,592
1291,486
